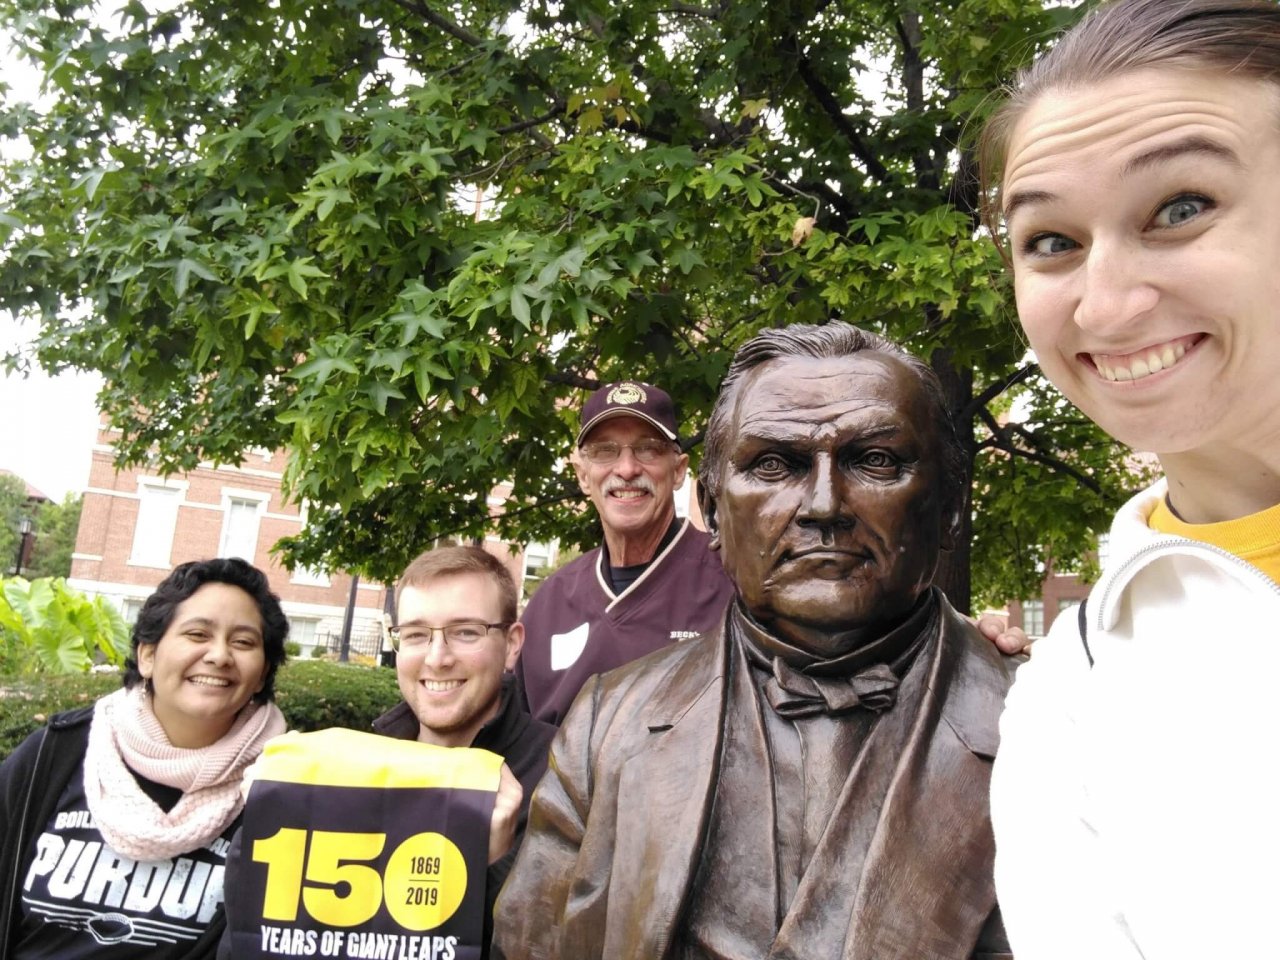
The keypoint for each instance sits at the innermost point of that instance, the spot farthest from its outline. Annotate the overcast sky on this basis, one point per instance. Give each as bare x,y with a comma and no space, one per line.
47,424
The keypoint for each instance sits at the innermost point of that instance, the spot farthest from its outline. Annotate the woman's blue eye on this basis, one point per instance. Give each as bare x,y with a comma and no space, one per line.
1180,211
1048,244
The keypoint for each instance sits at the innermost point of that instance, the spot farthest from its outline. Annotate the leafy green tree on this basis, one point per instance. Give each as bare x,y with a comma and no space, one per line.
56,527
259,221
13,506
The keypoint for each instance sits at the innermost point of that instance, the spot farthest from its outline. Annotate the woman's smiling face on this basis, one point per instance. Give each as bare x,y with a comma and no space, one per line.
1143,215
207,665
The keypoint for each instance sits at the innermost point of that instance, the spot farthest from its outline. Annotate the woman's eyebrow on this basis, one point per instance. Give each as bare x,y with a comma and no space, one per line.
1024,198
1193,144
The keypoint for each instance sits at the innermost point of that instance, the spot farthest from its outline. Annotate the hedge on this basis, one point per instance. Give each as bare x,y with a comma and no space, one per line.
313,694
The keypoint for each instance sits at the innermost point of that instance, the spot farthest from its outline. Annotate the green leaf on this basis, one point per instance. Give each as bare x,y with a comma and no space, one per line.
183,271
380,392
320,369
297,271
520,307
686,258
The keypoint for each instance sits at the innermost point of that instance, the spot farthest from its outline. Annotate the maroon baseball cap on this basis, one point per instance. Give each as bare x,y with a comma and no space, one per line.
629,398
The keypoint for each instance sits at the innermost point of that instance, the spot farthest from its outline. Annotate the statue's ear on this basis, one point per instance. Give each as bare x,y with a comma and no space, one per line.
707,503
951,515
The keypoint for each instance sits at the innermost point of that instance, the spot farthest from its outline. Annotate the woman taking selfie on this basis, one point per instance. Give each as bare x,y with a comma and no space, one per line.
115,819
1134,176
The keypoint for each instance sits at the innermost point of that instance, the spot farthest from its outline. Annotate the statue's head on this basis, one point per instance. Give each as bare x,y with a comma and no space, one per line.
831,478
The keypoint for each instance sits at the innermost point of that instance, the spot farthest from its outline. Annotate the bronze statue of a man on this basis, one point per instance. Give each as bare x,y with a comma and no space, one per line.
809,780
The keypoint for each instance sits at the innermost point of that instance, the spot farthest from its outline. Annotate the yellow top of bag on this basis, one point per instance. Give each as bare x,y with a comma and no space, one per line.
348,758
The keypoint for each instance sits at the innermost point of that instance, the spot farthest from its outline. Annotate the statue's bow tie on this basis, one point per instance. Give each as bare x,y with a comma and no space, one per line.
794,695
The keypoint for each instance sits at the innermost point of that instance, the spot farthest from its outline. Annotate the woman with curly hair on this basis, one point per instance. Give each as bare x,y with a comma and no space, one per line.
116,818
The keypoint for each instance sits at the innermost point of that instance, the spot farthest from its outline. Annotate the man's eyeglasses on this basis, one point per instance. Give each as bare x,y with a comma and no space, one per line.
606,451
458,636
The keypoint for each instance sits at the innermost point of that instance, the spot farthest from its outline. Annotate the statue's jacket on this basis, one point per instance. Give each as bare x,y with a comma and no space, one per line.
619,823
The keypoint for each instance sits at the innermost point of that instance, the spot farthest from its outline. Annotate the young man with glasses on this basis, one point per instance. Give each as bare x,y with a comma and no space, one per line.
455,637
652,582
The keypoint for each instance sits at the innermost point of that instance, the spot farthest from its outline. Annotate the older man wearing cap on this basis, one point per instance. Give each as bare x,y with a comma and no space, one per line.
651,582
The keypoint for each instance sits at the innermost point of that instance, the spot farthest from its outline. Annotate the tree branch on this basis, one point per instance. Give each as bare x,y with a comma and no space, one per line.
551,114
472,40
819,188
441,22
908,29
978,404
1002,442
573,380
690,10
831,107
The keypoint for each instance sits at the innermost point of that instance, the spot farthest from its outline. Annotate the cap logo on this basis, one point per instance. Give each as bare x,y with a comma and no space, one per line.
625,394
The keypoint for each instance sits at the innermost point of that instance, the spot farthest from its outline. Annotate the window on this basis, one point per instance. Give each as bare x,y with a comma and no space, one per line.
302,631
537,557
130,610
1104,549
1066,604
157,519
310,577
241,516
1033,617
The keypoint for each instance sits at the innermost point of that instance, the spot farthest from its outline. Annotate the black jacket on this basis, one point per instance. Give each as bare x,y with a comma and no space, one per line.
514,735
31,783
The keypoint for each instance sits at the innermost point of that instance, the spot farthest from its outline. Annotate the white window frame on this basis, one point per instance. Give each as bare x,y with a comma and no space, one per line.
136,603
308,576
255,497
296,619
547,550
1104,549
1027,607
150,548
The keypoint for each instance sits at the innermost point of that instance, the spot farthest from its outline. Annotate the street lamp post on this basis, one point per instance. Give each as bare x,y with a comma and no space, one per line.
25,526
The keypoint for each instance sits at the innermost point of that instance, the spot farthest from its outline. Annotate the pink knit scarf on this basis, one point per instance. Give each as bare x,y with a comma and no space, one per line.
125,735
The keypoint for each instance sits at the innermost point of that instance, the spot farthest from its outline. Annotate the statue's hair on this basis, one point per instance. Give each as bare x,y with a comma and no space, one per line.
1236,37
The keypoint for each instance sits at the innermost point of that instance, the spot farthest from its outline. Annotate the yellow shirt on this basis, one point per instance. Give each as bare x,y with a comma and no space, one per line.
1255,538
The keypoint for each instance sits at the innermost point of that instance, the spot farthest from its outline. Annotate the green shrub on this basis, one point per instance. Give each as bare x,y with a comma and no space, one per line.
315,694
312,694
292,648
26,703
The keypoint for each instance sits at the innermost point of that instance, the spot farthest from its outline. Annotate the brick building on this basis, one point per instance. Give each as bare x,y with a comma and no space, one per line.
137,525
1058,592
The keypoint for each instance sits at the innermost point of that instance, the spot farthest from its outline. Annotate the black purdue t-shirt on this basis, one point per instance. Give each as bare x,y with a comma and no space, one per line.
81,899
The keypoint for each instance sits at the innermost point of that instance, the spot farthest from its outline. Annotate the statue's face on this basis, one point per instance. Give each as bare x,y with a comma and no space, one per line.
830,514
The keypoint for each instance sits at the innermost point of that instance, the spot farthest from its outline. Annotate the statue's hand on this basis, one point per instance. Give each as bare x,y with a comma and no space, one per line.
506,812
1006,638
